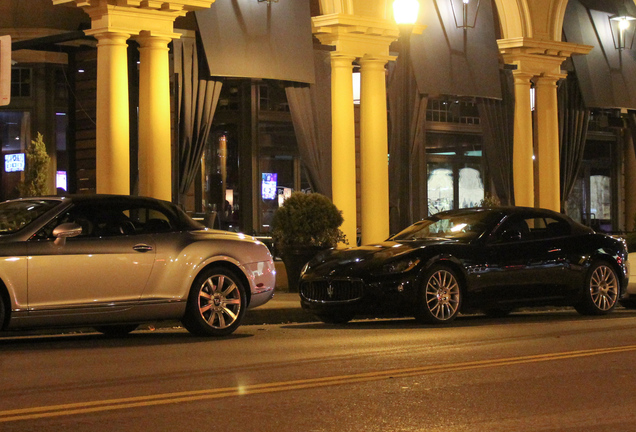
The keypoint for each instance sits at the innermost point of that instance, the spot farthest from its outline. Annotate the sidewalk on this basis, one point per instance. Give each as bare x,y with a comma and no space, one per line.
283,308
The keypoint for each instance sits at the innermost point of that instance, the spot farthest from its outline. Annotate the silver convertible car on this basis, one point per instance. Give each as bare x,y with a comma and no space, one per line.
113,262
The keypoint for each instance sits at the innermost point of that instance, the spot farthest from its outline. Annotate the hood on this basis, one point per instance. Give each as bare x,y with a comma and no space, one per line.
364,258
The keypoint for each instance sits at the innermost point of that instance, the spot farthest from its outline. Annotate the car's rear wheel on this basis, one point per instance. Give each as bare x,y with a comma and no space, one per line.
216,304
600,293
342,318
440,296
117,330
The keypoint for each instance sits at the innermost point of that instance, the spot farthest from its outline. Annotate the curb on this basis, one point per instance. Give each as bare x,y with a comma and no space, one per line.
282,309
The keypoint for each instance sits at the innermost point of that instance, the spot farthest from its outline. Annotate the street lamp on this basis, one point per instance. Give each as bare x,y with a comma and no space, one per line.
405,11
470,9
622,31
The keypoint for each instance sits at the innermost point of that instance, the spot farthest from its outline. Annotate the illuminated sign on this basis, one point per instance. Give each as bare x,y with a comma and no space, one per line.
60,180
14,162
268,189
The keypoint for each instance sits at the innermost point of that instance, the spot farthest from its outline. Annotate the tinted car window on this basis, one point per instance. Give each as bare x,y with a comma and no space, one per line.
532,227
15,215
461,227
107,219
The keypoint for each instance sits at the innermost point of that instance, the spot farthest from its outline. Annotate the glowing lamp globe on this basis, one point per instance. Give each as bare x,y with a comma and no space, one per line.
405,11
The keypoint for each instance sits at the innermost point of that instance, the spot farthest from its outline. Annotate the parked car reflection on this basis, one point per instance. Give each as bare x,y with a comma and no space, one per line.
113,262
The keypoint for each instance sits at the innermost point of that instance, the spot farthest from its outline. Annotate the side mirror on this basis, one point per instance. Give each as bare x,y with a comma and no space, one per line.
65,230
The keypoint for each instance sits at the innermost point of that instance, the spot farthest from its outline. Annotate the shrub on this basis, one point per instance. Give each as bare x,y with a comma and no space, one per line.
37,166
307,220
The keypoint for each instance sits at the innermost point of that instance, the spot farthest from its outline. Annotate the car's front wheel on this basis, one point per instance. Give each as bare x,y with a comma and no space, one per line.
440,296
216,304
600,293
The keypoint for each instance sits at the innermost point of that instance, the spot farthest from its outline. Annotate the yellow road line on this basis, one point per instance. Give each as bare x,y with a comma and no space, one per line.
197,395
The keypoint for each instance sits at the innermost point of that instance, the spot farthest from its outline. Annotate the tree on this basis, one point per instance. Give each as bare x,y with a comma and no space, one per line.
37,167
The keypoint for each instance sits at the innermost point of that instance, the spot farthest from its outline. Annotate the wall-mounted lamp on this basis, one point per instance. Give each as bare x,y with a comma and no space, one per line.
622,31
468,16
405,11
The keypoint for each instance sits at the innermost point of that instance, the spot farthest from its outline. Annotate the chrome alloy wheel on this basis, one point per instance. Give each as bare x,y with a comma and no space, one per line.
603,288
442,295
219,301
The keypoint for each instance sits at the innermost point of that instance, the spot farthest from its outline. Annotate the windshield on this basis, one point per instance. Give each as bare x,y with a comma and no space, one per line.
15,215
458,226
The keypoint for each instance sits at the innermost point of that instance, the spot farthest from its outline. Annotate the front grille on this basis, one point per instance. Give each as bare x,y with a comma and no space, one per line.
334,290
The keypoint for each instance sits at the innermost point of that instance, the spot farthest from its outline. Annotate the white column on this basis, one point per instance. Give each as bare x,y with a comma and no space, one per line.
522,162
374,162
155,153
548,157
113,124
343,143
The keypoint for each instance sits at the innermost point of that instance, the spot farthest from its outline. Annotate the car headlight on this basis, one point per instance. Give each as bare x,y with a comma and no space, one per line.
304,270
401,266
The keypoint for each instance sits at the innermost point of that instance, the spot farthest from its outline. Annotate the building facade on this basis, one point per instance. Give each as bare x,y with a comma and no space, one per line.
133,99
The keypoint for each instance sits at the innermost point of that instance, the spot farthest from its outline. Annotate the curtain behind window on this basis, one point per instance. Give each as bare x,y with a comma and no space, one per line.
310,106
496,118
573,121
197,100
407,162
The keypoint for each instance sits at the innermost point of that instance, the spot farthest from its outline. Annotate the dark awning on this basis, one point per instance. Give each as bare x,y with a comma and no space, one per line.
453,61
607,76
613,7
246,38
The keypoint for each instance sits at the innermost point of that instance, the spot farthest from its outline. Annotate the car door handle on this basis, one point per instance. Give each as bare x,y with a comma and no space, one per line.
142,248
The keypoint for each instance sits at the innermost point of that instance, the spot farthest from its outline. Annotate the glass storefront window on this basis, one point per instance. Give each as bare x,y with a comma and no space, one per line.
21,82
471,187
601,197
276,180
440,187
221,183
14,136
448,182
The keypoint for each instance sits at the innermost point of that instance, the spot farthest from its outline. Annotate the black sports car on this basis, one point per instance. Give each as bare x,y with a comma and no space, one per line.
489,260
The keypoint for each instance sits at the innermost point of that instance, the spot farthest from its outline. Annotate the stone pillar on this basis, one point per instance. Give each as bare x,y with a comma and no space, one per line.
113,125
343,145
522,162
548,166
155,153
374,163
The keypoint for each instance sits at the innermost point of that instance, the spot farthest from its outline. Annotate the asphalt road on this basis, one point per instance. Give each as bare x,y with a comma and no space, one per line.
548,371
